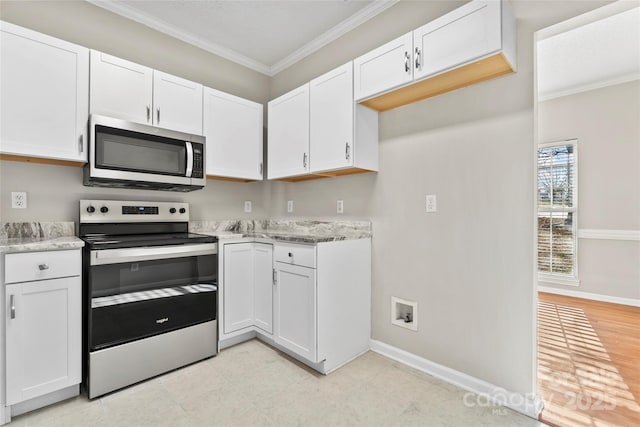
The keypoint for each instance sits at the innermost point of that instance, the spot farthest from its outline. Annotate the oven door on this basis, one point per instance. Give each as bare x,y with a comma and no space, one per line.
136,293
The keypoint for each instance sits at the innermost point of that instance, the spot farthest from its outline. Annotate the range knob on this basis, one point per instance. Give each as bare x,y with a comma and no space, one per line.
104,209
182,210
172,210
91,209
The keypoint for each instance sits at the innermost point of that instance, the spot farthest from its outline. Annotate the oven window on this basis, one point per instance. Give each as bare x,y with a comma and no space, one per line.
130,151
124,278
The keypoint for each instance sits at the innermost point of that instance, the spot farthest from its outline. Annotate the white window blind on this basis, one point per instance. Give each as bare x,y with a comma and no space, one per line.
557,203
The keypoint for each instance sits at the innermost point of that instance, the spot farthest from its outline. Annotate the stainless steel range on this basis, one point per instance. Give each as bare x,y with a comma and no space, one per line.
150,292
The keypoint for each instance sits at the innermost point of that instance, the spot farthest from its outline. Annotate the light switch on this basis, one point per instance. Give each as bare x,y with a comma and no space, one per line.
247,206
340,206
290,206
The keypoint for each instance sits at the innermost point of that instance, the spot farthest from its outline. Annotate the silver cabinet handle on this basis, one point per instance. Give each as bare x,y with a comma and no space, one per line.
43,267
260,168
406,62
148,113
347,152
81,143
158,114
12,304
304,160
417,59
275,276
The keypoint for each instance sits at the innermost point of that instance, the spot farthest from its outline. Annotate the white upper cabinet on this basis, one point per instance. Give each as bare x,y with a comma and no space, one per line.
469,32
473,43
342,134
288,134
121,88
233,128
384,68
44,101
130,91
177,103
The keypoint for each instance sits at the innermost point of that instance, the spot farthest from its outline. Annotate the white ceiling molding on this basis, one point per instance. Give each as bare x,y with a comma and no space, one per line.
587,18
363,15
592,51
161,26
585,88
334,33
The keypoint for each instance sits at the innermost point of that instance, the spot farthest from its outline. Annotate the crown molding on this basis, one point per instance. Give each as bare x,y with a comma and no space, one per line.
332,34
359,18
161,26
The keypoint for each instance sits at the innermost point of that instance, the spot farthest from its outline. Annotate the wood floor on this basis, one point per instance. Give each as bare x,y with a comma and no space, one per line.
588,362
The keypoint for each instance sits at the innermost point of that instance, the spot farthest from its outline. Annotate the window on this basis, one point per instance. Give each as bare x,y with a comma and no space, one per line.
557,201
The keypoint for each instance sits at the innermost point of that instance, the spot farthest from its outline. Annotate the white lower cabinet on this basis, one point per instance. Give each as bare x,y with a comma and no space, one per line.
263,286
312,301
43,323
295,309
247,286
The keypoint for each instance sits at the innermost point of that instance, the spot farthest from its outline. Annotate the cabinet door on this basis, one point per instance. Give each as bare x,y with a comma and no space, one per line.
465,34
331,122
295,305
43,332
288,134
263,286
120,88
384,68
238,286
44,101
177,103
233,129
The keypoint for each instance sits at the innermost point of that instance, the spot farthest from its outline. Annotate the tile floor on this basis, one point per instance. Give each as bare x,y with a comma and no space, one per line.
251,384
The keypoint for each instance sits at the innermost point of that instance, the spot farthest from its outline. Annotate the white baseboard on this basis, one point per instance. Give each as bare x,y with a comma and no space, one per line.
587,295
530,405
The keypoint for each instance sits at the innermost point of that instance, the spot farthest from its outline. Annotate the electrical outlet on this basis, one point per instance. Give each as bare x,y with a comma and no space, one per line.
18,200
340,206
431,203
247,206
290,206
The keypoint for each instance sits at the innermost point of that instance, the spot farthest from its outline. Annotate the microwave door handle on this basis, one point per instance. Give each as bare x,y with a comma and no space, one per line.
189,159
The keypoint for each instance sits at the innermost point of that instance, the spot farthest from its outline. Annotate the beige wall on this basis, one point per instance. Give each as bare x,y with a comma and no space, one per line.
606,123
469,265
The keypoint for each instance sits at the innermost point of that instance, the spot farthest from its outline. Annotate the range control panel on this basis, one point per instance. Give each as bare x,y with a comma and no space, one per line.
132,211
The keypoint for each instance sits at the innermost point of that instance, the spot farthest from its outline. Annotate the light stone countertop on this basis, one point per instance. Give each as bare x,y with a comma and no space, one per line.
295,231
37,244
38,236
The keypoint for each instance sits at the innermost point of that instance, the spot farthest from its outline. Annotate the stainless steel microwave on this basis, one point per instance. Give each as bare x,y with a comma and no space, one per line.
123,154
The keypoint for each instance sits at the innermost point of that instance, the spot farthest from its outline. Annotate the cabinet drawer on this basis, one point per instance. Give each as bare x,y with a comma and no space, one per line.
296,254
29,266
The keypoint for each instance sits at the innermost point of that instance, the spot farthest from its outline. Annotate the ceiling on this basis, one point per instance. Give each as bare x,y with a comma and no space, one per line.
264,35
598,51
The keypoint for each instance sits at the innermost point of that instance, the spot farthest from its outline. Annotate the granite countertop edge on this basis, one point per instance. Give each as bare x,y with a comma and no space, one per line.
285,237
35,244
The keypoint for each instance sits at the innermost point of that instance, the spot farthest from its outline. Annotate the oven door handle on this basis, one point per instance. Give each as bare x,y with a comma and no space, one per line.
115,256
